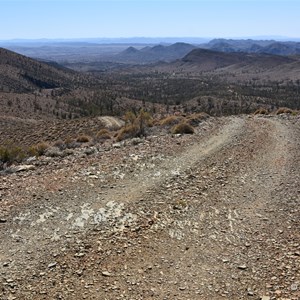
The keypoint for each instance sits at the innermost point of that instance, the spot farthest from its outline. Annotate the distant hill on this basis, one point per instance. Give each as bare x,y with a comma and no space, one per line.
279,48
254,46
210,60
153,54
36,89
19,74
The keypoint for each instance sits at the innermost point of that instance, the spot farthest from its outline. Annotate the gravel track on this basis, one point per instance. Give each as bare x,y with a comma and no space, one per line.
215,217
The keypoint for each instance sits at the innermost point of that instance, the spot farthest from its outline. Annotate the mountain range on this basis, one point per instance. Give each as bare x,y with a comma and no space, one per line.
153,54
169,53
254,46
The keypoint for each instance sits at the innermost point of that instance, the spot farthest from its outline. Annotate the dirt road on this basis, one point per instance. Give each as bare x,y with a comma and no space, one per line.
210,216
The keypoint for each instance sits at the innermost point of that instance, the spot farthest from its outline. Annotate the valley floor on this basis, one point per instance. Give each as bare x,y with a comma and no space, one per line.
214,215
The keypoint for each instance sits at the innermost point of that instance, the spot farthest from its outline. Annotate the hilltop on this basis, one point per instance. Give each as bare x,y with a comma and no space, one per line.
19,74
153,54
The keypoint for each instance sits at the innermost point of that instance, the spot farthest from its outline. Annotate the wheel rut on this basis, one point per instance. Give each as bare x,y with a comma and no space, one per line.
204,224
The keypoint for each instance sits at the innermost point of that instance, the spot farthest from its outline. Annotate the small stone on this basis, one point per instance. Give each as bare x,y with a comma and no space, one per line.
242,267
106,274
22,168
265,298
294,287
52,265
79,254
3,220
278,292
182,288
117,145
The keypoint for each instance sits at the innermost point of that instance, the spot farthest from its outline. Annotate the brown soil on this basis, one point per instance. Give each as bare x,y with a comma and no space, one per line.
214,215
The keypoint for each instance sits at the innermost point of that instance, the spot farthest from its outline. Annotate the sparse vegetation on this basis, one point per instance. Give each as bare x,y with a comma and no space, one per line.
83,139
60,144
41,148
170,120
11,153
283,110
196,119
135,125
128,131
130,117
103,134
183,128
261,111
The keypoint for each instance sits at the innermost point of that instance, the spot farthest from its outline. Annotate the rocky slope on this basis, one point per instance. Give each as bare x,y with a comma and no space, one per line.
214,215
19,74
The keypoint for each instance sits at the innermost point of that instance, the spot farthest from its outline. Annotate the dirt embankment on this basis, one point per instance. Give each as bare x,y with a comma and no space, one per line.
210,216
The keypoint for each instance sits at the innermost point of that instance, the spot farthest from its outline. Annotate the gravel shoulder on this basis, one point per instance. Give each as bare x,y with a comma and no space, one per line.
209,216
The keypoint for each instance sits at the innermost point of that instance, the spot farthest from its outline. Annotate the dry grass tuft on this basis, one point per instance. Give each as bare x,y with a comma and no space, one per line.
170,121
83,139
60,144
11,153
183,128
127,132
283,110
41,148
196,119
261,111
103,134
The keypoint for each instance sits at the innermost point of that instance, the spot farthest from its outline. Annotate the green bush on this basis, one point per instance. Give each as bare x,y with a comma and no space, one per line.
11,153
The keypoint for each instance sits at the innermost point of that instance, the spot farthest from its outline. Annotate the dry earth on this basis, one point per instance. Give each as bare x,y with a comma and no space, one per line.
209,216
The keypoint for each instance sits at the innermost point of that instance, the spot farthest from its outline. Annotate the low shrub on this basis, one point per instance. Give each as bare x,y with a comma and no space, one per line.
60,144
196,119
136,125
53,152
71,143
42,147
126,132
170,121
261,111
38,149
283,110
103,134
11,153
183,128
130,117
83,139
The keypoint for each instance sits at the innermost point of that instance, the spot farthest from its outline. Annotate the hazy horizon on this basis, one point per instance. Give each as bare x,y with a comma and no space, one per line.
78,19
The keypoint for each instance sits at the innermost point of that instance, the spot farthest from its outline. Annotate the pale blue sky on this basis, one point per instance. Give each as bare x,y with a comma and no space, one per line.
148,18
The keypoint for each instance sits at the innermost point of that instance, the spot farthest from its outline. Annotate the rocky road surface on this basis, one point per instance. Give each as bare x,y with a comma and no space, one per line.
214,215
